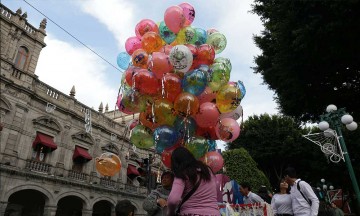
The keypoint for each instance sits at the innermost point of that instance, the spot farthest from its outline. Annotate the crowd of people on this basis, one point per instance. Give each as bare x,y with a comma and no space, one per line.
190,190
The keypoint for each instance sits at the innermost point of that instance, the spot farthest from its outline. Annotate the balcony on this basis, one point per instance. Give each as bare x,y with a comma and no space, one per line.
77,175
37,166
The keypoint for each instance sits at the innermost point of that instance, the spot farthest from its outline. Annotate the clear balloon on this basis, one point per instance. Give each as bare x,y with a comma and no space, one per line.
164,112
186,104
123,60
198,146
181,58
214,160
144,26
140,58
189,13
194,82
185,126
228,97
166,34
227,129
218,41
201,36
132,44
208,115
108,164
164,137
174,18
141,137
151,42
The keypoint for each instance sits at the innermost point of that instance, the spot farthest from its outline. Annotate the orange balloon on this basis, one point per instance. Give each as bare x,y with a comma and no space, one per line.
172,86
140,58
148,119
151,42
108,164
186,104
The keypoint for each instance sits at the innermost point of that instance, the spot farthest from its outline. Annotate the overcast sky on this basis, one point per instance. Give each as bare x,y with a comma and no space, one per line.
104,25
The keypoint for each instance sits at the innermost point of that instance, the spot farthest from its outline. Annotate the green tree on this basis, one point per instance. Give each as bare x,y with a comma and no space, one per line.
310,54
276,142
242,168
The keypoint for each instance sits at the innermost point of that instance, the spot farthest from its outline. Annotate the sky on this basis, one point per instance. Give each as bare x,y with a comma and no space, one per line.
104,26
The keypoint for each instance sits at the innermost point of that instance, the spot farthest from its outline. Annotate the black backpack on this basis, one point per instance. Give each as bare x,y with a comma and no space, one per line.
307,200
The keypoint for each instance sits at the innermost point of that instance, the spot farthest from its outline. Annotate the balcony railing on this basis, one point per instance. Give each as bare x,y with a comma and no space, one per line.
107,183
37,166
77,175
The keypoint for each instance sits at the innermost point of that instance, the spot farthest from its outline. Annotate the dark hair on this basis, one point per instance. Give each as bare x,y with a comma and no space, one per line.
124,208
167,173
245,185
185,166
291,172
264,194
279,189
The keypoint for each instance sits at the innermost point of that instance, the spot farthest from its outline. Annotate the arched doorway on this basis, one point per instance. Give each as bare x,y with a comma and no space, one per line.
102,208
26,203
69,206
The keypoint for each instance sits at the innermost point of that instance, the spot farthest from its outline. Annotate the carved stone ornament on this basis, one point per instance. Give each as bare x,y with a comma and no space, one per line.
49,122
84,137
110,148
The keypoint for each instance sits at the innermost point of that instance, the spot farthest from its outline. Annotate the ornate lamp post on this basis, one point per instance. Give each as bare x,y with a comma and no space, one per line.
334,118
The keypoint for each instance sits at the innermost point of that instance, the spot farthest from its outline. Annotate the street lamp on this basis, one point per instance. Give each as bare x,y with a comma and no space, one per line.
334,118
322,189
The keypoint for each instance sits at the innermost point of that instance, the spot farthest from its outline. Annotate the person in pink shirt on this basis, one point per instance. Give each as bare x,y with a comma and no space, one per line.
189,173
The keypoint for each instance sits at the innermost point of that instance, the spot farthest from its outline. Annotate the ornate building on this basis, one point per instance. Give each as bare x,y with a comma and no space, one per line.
49,140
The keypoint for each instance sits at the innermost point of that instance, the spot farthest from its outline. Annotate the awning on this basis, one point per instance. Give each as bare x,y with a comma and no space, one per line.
44,140
81,152
132,170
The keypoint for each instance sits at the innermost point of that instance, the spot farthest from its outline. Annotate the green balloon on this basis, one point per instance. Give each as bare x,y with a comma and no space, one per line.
225,61
218,41
142,137
198,146
220,76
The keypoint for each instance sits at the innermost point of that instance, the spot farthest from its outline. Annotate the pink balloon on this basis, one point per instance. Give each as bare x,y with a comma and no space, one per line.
207,95
208,115
121,106
144,26
132,44
214,160
227,129
189,13
159,64
133,123
174,18
166,49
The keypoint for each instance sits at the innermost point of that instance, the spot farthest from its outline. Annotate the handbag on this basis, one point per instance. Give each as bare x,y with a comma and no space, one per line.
186,197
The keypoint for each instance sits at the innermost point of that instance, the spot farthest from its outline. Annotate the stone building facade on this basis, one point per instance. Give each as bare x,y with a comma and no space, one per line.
49,140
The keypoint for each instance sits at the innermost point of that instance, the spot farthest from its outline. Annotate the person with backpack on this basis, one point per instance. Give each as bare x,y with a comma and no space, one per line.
304,200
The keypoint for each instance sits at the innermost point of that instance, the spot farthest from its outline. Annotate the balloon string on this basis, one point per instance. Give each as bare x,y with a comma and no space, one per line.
188,109
133,88
153,112
162,87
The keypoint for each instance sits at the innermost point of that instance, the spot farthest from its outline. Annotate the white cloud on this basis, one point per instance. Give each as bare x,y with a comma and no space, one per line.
116,15
62,65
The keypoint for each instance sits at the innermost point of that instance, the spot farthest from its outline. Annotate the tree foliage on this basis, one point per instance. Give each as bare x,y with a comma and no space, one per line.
310,55
242,168
276,142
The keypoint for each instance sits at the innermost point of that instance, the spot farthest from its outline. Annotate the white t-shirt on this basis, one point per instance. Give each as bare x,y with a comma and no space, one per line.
281,204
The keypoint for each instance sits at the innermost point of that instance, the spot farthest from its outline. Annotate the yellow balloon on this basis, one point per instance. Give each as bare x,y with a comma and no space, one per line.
228,97
108,164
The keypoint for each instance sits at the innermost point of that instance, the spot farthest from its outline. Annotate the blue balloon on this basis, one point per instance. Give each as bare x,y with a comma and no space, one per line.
201,36
206,70
185,127
165,33
123,60
164,137
242,89
194,82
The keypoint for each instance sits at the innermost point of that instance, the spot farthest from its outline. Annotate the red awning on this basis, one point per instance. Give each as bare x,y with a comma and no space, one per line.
81,152
132,170
45,140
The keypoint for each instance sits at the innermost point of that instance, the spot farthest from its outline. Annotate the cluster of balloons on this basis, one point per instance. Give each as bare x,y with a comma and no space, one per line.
180,88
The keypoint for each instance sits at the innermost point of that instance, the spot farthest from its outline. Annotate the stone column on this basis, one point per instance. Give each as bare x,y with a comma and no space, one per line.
50,210
86,212
3,205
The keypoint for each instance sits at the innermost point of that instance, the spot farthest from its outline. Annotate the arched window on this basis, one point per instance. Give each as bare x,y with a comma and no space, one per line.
21,57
